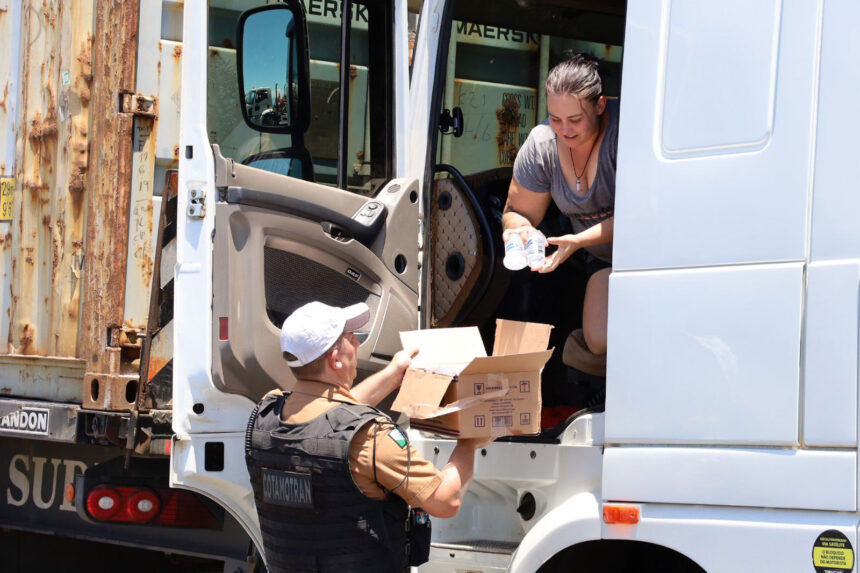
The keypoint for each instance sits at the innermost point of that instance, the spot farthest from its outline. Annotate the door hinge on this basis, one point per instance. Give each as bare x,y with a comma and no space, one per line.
196,203
138,105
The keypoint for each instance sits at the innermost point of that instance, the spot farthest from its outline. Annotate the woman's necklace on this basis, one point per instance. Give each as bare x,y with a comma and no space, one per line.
579,175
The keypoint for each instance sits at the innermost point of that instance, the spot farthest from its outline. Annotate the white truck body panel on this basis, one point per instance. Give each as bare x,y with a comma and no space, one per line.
792,479
680,192
736,539
830,354
734,347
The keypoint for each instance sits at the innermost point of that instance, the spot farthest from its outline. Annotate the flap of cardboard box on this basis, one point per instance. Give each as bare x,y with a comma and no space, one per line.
444,346
513,363
514,337
420,388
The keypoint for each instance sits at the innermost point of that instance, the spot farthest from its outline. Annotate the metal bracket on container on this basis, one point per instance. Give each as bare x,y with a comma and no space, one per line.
138,105
196,203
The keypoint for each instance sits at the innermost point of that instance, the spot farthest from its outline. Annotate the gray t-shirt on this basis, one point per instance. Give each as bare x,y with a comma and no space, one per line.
537,168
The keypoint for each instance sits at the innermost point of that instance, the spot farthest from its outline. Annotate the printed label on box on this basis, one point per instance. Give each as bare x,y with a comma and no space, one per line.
479,421
525,386
525,418
503,421
479,388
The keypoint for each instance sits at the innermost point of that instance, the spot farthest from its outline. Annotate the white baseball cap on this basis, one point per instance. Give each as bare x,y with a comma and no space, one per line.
314,328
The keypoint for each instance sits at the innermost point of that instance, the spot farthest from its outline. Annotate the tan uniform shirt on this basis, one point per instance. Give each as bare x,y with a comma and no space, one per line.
310,399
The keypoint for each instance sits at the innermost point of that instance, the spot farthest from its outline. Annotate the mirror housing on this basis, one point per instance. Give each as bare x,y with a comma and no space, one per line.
273,68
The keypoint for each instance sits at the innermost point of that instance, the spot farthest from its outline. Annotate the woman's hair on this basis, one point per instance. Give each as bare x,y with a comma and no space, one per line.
578,76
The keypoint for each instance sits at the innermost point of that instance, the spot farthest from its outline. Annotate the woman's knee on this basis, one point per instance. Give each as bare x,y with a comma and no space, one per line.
595,338
595,311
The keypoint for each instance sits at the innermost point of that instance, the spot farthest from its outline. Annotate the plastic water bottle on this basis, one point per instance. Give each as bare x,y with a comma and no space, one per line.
515,253
536,249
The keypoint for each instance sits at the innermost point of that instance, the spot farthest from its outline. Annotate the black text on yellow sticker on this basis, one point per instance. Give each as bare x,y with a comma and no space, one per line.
832,553
7,192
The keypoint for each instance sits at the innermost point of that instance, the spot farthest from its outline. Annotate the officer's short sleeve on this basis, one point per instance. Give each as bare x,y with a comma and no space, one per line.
393,457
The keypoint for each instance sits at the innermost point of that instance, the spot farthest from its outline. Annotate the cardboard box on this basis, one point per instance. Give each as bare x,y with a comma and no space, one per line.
454,388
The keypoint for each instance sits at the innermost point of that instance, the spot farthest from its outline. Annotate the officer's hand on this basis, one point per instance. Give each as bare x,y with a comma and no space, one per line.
401,362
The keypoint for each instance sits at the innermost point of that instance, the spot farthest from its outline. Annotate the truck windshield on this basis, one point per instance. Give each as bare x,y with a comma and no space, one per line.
499,60
365,169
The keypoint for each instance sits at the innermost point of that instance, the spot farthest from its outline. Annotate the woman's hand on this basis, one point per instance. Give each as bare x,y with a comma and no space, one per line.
567,245
523,231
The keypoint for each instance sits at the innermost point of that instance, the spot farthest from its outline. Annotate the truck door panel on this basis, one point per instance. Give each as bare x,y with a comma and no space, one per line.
281,242
285,234
463,253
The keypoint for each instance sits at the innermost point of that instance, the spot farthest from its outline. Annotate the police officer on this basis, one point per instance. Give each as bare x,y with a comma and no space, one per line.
333,477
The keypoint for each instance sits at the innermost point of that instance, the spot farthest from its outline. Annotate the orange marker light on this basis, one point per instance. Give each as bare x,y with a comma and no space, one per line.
620,514
69,492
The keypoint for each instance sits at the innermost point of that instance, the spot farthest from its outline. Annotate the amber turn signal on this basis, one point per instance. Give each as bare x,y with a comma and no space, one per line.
620,514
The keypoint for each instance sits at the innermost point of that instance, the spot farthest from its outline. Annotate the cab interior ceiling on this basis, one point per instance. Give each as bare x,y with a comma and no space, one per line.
590,20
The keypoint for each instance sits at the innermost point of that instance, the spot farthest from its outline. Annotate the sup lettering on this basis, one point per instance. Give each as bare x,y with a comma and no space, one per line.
42,479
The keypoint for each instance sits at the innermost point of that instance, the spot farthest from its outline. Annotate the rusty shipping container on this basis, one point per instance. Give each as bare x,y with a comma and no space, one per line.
84,87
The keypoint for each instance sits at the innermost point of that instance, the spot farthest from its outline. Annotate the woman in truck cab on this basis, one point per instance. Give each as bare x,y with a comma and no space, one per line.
570,159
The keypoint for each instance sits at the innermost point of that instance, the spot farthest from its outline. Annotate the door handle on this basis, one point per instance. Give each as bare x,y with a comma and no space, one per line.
336,232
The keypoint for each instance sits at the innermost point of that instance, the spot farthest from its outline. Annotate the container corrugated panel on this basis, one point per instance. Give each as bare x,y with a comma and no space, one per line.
43,241
52,308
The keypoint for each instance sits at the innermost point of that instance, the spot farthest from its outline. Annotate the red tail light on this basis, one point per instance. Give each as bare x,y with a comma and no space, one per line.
103,503
163,506
184,509
143,505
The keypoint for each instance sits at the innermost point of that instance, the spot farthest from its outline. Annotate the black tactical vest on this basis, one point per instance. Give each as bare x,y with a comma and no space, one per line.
312,515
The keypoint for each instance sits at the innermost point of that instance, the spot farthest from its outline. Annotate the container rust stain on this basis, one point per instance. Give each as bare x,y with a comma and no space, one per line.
109,187
508,118
85,61
5,97
28,334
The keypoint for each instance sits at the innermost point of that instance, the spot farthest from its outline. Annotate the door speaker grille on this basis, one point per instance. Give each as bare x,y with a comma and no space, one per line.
293,280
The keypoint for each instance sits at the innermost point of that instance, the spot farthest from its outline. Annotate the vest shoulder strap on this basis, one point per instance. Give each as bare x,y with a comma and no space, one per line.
270,402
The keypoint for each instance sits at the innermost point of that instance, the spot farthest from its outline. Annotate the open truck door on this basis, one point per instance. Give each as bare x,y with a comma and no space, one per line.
281,208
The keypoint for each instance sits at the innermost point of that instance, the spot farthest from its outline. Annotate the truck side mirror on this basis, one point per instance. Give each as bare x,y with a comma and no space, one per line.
272,66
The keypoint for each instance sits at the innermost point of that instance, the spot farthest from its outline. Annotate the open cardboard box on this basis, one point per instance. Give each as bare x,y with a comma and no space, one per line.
454,388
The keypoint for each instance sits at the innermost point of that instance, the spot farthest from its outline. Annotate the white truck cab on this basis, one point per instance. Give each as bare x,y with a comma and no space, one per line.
729,437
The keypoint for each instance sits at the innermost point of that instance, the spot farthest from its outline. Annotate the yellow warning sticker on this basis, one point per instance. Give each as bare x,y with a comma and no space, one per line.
7,194
832,553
